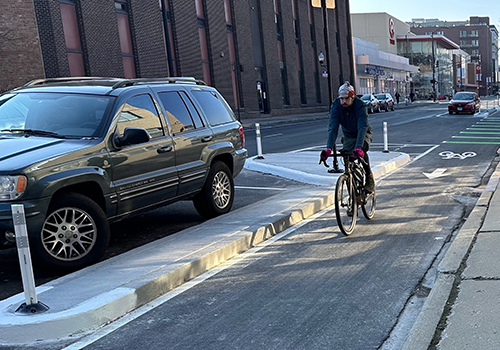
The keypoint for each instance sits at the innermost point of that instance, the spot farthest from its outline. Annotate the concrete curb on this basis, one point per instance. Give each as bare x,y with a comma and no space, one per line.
321,180
422,332
111,305
424,328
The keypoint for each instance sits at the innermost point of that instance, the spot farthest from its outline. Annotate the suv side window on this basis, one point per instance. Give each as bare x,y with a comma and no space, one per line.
140,112
215,110
176,111
198,123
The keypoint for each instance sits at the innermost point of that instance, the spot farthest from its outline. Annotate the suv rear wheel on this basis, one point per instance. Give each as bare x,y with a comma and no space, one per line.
217,194
75,233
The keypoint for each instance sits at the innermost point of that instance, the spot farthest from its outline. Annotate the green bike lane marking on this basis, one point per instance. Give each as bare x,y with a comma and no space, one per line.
486,126
473,142
482,129
481,132
476,137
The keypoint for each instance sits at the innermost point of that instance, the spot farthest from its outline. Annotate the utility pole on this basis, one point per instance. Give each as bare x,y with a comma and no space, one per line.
433,68
326,37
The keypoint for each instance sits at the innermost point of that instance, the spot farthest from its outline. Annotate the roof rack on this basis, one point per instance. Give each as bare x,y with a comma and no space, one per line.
172,80
64,79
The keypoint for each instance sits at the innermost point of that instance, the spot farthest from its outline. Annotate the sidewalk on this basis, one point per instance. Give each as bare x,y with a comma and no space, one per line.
90,298
463,309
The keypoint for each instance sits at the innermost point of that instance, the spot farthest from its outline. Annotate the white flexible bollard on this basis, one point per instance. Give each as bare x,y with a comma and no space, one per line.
386,142
31,306
259,144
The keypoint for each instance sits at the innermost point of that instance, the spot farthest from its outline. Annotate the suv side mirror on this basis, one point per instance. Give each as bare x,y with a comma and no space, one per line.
132,136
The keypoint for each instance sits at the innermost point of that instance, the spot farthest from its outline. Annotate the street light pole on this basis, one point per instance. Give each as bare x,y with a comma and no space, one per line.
330,90
433,68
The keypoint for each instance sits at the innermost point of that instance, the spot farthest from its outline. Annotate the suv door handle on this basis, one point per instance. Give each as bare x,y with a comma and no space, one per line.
206,138
164,149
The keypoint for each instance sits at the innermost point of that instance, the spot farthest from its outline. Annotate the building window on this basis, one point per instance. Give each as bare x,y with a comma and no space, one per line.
474,33
169,27
463,34
72,38
204,42
298,42
281,51
233,54
475,42
125,39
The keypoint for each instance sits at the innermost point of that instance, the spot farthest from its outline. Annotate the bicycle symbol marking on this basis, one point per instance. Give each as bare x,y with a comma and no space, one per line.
451,155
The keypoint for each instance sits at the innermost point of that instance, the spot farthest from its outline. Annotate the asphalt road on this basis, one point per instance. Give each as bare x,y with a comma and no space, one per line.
315,288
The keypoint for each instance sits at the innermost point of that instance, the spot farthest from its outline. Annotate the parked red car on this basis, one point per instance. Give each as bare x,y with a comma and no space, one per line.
386,101
464,102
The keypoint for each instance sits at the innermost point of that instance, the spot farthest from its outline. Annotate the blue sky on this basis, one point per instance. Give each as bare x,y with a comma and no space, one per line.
449,10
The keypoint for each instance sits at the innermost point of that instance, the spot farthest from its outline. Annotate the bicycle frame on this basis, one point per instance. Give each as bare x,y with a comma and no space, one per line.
354,166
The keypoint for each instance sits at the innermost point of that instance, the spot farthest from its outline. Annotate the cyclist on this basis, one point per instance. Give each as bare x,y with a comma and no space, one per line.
349,111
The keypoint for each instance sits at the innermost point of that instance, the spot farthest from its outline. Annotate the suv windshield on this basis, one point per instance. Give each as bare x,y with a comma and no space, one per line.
463,96
365,97
380,96
70,115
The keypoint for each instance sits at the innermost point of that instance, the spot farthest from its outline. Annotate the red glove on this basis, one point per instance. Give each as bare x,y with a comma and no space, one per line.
358,152
324,156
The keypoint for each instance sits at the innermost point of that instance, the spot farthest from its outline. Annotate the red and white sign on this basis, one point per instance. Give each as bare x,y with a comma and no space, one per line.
478,69
392,32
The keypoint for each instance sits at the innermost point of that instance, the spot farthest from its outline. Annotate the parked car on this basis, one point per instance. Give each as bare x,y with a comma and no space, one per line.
441,98
464,102
386,101
371,103
82,153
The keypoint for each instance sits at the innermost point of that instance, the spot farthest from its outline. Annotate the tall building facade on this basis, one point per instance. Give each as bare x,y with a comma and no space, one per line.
475,36
379,65
262,55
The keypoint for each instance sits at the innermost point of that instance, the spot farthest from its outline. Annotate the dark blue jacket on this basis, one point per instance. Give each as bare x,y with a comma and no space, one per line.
354,121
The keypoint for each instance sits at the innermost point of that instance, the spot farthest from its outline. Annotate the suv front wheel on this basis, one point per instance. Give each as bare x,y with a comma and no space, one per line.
217,195
75,233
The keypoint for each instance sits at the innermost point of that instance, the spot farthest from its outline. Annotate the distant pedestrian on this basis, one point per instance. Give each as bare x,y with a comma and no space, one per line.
397,97
412,96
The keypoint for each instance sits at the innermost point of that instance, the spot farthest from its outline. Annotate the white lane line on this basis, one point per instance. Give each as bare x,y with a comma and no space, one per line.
425,153
261,188
102,332
272,135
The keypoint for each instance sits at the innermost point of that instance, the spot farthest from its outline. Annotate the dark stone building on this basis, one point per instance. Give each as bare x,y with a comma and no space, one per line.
261,54
473,36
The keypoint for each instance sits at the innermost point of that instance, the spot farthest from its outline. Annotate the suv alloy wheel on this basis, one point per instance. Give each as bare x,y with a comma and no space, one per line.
217,195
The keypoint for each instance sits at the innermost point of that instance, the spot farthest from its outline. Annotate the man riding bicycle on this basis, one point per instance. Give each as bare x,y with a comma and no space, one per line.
350,112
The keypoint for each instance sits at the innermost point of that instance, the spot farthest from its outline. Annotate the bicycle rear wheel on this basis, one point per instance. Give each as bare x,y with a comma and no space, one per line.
346,208
369,207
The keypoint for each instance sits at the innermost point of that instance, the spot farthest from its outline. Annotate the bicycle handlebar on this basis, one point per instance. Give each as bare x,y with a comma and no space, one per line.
350,155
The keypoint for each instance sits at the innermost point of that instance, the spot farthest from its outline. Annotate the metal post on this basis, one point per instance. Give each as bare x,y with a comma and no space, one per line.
330,90
386,142
23,250
433,68
259,144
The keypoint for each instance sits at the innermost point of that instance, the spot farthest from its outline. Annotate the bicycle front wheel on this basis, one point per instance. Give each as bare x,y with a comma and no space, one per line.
346,208
369,207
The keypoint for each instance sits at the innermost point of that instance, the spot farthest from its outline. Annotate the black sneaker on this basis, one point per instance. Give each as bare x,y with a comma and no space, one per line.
370,184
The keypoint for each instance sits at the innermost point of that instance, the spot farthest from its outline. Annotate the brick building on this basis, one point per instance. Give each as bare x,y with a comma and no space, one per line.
261,55
475,36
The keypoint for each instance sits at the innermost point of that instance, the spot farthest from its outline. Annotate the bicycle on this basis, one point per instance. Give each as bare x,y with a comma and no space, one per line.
350,193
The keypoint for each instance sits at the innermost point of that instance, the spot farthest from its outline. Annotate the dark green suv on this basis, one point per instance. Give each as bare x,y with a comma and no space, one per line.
80,153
